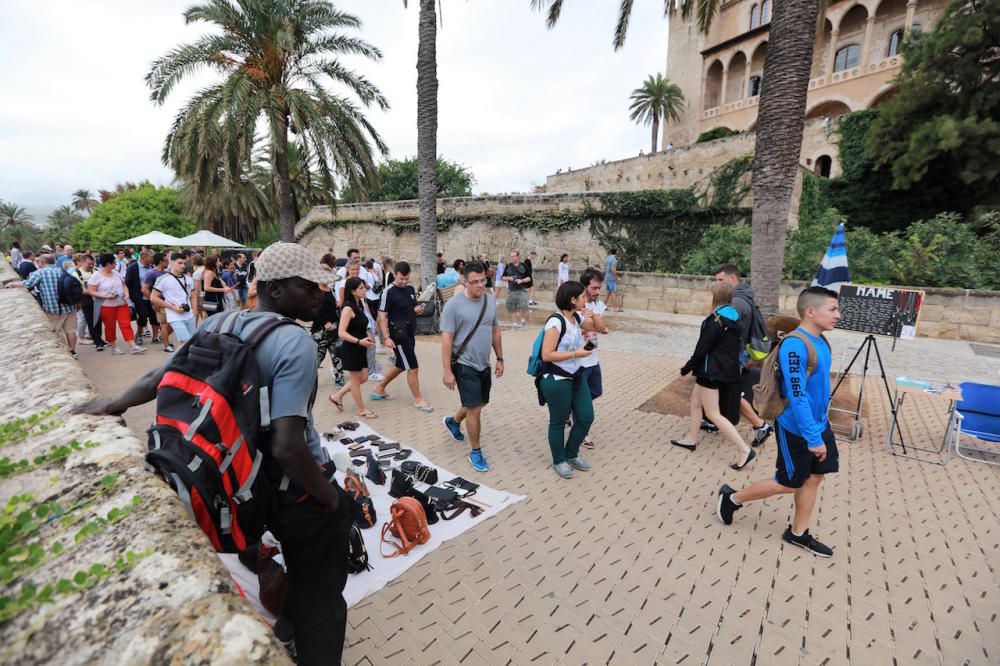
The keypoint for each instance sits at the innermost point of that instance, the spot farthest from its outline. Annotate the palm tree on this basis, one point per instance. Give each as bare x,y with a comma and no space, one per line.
275,56
60,223
427,91
657,98
12,215
780,121
84,201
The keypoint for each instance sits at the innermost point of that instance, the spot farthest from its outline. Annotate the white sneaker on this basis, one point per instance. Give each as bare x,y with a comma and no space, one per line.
138,349
377,377
117,352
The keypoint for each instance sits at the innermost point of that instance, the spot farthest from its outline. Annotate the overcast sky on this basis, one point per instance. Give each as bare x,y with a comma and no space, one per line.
516,101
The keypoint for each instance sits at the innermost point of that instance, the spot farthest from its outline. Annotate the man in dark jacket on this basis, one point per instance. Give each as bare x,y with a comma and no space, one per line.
134,275
743,302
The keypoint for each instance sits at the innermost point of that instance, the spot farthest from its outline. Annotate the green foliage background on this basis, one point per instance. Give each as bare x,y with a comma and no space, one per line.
397,181
715,133
130,214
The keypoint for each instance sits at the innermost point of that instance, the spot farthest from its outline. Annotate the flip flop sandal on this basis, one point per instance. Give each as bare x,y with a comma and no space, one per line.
380,396
337,403
426,409
753,454
367,415
588,444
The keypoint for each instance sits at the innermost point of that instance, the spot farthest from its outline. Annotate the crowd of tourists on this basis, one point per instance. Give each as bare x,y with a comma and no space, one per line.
363,309
142,295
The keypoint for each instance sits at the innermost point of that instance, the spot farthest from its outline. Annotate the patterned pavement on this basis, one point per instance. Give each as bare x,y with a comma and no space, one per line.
627,564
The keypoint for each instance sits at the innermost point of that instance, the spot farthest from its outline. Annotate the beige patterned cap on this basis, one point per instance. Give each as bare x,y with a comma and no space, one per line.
287,260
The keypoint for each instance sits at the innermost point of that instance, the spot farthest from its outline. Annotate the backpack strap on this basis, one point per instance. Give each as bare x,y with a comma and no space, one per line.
264,329
812,359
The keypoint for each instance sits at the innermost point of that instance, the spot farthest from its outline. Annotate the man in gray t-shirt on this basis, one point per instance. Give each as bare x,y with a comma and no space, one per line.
470,371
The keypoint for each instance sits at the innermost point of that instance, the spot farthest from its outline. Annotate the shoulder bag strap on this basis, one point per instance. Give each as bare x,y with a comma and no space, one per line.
465,343
184,288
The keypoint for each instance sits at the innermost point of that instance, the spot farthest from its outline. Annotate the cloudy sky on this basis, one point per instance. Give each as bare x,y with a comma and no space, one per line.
516,101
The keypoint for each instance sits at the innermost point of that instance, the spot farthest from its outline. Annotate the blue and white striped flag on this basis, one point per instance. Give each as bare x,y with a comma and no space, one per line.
833,270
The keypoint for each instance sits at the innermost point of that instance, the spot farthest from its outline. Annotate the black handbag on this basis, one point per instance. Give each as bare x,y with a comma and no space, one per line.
441,498
421,473
429,508
401,484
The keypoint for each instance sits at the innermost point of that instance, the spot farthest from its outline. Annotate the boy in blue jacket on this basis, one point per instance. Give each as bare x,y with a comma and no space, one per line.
807,449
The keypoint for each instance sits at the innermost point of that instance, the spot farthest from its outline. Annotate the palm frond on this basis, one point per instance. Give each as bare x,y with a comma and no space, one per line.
621,28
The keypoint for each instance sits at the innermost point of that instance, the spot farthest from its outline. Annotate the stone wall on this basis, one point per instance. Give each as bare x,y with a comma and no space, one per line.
688,166
176,603
954,314
362,226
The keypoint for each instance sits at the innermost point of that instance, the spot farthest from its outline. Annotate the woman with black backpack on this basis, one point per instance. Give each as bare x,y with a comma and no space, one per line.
716,366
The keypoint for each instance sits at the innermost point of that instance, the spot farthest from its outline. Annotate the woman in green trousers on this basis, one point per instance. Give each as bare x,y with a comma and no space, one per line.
563,385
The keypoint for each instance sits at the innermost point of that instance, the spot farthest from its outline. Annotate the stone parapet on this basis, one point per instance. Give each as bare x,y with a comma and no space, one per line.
134,580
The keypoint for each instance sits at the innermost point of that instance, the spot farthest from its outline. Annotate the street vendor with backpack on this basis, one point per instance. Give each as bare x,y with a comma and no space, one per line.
310,517
807,448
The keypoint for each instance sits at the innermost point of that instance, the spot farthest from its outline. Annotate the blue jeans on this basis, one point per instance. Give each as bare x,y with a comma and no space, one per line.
183,329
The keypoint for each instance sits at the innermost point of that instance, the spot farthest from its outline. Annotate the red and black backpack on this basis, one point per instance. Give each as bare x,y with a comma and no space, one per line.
211,416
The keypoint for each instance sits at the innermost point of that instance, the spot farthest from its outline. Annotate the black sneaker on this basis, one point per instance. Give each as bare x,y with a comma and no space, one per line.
708,426
808,542
761,434
725,507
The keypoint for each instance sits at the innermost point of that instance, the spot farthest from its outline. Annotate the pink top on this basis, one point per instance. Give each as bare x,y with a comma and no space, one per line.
109,285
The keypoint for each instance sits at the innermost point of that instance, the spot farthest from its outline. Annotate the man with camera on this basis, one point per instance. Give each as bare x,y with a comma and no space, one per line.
172,292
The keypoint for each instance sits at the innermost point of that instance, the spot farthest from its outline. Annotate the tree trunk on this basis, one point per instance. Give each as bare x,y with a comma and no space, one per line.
427,90
781,120
656,130
282,181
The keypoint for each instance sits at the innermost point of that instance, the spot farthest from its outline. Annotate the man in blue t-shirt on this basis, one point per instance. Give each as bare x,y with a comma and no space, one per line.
807,449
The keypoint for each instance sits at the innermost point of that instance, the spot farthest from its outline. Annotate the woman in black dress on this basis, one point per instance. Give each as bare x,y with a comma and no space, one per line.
357,340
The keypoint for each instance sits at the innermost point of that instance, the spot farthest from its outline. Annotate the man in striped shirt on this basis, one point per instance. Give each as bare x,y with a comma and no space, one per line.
62,317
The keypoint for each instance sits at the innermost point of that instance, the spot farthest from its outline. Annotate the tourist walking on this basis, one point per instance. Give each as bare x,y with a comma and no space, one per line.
517,277
161,327
172,292
311,517
498,283
61,315
592,281
27,265
563,273
529,263
242,273
397,321
612,299
15,255
92,318
324,327
744,302
355,333
562,385
807,448
716,366
214,290
134,276
107,287
469,329
198,295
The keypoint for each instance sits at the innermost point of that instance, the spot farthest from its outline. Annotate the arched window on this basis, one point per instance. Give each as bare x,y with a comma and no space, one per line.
765,12
895,42
754,16
823,165
754,88
847,58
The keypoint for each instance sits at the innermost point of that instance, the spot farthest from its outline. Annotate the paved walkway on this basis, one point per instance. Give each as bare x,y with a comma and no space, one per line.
627,564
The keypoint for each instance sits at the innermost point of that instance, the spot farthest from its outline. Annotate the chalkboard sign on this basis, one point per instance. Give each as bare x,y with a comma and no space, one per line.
880,310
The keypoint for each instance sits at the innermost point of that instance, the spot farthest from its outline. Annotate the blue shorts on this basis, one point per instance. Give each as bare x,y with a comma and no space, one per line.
612,284
242,293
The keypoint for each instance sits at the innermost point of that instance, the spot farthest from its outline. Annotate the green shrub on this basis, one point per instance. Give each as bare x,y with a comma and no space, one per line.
715,133
132,213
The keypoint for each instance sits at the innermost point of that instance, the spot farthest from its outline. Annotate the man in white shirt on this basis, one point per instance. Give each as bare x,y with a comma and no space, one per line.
593,281
172,292
353,253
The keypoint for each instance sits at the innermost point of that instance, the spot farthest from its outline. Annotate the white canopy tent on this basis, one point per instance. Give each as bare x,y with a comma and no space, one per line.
206,238
151,238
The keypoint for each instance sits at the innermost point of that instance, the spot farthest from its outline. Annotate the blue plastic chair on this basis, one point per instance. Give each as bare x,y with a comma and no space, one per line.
978,415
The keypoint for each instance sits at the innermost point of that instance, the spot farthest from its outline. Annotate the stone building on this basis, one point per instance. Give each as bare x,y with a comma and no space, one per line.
856,57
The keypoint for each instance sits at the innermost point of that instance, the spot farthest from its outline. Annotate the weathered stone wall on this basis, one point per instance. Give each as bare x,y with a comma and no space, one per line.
687,166
177,604
358,225
955,314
